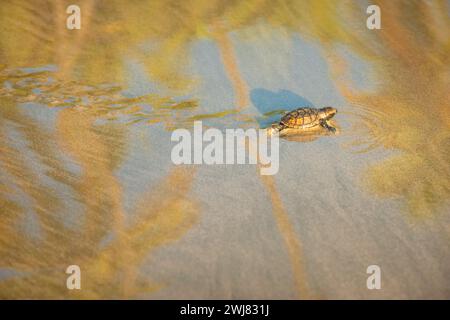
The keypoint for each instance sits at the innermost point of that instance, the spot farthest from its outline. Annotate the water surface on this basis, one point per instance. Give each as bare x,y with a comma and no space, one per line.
86,176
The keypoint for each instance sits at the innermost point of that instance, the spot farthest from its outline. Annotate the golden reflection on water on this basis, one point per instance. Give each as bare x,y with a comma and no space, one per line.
110,270
408,113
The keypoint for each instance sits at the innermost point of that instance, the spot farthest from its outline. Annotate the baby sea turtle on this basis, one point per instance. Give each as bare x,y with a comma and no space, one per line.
304,119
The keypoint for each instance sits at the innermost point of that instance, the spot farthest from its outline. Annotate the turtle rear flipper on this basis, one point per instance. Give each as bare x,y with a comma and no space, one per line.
275,128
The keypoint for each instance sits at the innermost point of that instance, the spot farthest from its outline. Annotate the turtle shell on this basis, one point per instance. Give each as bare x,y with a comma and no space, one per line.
301,118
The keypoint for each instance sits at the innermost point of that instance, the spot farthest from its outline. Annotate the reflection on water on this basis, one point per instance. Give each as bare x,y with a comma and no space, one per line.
62,198
108,248
409,112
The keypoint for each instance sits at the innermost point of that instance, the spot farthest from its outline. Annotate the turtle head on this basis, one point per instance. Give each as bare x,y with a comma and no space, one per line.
327,113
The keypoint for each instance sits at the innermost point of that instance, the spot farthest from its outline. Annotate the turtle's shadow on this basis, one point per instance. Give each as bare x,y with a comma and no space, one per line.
272,105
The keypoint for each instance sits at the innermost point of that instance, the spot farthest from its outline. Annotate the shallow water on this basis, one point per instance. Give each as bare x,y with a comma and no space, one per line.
87,179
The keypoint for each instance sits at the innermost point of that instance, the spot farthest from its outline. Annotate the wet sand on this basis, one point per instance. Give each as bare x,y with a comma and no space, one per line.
87,179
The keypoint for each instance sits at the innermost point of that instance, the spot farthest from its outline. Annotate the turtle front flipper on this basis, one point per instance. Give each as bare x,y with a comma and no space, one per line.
326,125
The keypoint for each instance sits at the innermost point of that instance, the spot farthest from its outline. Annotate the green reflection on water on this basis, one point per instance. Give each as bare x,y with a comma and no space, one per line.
408,112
